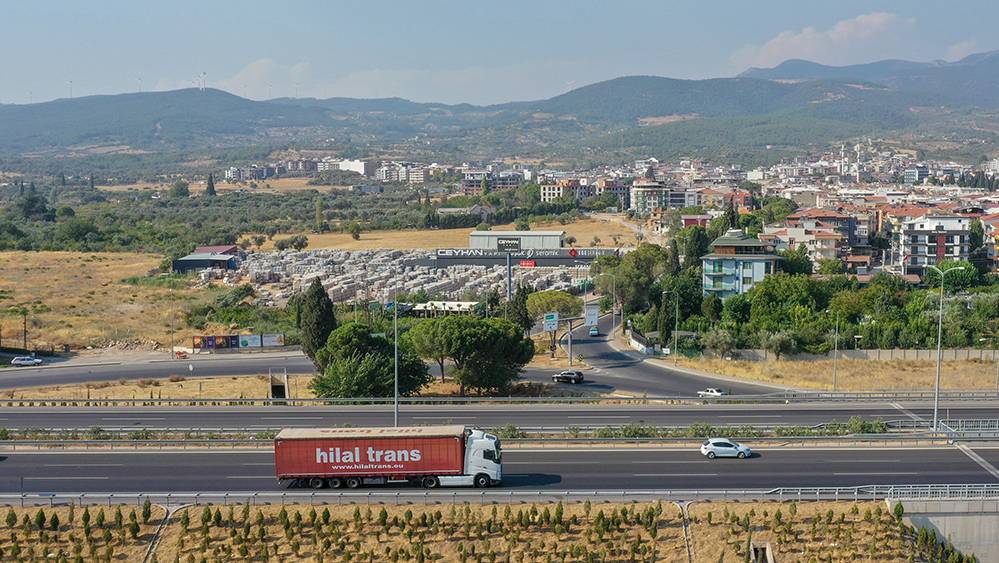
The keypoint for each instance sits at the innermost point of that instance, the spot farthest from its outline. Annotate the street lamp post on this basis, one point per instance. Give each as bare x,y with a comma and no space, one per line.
936,387
835,350
395,340
676,322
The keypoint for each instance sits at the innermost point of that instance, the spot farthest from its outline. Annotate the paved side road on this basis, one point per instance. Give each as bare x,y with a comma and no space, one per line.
541,469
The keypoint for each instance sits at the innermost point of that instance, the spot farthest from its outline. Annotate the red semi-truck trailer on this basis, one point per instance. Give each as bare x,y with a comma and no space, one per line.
430,456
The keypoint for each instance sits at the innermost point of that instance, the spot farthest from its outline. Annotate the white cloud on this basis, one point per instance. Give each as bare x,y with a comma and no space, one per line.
266,78
958,51
858,39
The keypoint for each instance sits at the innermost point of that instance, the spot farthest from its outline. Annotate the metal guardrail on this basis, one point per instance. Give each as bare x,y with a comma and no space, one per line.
911,438
787,397
865,492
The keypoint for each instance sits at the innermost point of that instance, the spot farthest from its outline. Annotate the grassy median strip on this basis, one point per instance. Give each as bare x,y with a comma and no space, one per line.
854,427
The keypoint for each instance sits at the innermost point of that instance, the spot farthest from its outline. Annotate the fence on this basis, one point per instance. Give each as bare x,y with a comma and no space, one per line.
867,492
953,354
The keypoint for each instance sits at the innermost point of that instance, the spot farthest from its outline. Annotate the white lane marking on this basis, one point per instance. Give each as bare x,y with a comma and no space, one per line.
880,473
249,477
906,411
291,418
979,460
676,474
83,465
750,416
443,416
66,478
601,416
132,418
664,461
553,462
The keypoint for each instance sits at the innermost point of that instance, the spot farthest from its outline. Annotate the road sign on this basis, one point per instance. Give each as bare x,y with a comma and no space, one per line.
508,244
592,314
551,322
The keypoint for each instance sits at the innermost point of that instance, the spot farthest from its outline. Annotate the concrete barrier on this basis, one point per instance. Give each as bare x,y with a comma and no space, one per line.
971,526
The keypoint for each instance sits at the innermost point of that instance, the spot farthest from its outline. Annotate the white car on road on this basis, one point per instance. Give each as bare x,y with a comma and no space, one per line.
23,361
711,392
723,447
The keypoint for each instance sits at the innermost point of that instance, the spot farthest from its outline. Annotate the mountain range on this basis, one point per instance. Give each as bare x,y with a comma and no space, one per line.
759,112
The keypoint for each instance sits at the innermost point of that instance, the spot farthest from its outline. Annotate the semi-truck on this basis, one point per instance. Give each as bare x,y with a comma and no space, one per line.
428,456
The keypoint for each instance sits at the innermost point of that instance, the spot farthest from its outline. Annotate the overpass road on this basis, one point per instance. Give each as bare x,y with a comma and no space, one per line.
525,469
613,371
489,416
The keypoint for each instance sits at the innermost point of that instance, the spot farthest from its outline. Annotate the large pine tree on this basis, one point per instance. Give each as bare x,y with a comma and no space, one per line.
210,189
318,319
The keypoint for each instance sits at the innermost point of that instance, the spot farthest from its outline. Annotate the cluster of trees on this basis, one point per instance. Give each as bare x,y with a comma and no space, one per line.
353,360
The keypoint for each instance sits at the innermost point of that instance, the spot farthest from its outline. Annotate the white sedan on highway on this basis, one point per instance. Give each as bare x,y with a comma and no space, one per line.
723,447
711,392
25,361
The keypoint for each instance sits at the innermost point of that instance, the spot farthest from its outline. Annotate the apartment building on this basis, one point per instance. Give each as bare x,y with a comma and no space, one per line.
648,195
736,263
821,244
620,191
932,239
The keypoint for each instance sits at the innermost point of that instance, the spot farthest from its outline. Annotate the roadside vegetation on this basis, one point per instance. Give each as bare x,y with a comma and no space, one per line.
813,531
92,533
541,532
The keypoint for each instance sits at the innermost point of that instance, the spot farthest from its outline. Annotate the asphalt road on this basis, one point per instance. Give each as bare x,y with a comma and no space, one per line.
536,469
613,371
485,416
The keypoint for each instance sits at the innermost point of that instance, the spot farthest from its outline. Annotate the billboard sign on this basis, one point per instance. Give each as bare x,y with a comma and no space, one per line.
551,322
209,342
508,244
221,342
528,263
273,340
592,314
249,341
198,343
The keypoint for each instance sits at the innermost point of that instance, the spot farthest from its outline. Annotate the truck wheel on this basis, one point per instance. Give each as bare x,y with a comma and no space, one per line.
353,482
335,483
430,482
482,481
316,483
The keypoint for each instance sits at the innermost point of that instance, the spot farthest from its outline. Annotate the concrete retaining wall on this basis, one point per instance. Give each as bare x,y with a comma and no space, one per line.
755,355
971,526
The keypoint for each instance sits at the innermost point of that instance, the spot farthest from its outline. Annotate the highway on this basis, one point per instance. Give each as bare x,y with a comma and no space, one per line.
613,371
489,416
525,469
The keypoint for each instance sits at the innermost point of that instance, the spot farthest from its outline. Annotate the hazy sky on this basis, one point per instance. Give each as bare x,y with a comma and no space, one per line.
452,50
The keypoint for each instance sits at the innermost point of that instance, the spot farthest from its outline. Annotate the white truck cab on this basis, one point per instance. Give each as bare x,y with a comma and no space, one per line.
483,462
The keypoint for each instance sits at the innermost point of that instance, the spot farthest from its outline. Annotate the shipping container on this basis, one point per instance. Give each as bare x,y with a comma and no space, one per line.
430,456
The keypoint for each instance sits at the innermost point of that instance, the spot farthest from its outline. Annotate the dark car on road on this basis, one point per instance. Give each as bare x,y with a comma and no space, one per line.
568,376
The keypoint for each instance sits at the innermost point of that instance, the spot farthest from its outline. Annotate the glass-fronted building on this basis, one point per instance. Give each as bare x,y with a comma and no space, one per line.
736,263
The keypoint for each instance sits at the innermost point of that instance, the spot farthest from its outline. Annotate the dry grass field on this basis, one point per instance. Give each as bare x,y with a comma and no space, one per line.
68,534
855,375
810,531
80,299
462,533
584,231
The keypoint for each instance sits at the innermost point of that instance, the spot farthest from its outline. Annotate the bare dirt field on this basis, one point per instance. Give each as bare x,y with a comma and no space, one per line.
80,299
584,230
855,375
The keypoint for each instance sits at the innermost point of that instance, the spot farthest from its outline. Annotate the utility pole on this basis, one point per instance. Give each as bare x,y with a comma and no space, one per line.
835,350
676,330
936,387
24,328
395,339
